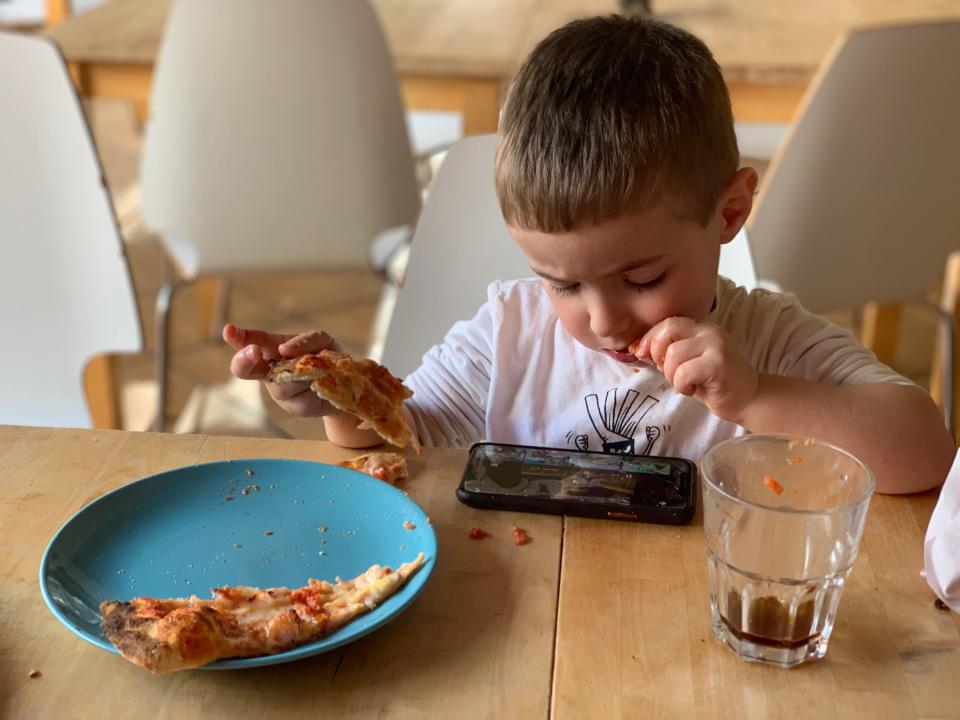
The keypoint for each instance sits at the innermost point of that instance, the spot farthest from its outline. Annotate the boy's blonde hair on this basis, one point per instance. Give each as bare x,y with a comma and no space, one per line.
611,114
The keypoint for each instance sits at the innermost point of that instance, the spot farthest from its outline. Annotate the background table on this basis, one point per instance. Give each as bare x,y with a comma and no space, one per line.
459,56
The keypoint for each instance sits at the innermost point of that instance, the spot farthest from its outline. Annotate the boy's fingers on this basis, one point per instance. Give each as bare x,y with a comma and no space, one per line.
249,363
309,342
659,338
679,353
283,392
691,375
238,338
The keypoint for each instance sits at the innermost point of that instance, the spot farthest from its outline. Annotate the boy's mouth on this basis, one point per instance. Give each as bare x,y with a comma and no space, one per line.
621,354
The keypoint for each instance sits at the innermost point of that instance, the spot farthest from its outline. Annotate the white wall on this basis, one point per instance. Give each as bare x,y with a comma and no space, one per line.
34,11
21,10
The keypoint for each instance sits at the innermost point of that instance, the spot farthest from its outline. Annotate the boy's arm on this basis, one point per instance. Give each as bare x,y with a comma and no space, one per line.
895,429
342,430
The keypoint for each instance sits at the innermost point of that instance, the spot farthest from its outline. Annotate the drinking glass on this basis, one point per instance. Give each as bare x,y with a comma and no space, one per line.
783,517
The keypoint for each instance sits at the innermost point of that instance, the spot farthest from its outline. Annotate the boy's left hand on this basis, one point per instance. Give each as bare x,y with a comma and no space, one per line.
701,360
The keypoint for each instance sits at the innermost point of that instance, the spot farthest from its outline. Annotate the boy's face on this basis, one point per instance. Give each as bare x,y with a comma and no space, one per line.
611,282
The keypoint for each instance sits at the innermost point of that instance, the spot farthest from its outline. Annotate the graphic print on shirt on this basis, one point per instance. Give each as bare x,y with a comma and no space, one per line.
617,421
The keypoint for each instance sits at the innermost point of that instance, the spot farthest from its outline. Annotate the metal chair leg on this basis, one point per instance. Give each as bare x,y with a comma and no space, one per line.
381,320
162,351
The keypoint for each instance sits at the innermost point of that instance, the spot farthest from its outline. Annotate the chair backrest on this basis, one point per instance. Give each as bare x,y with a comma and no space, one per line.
276,136
862,201
65,286
461,244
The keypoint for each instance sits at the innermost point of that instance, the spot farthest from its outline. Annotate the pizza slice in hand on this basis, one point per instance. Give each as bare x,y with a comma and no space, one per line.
364,388
180,633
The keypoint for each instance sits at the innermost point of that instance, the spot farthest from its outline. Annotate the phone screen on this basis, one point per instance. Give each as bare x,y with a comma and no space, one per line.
601,478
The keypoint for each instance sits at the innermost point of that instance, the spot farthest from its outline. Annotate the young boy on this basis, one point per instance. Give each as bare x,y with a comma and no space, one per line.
616,171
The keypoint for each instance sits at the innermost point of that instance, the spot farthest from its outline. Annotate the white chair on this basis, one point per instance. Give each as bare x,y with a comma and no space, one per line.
277,140
860,203
65,286
461,245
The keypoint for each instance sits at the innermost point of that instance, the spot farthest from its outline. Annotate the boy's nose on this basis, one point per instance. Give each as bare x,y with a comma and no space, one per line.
609,322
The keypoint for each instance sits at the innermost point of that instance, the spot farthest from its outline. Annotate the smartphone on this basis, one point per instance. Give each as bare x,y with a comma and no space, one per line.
575,482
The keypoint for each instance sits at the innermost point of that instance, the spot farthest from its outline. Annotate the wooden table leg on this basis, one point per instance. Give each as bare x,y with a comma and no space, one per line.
102,387
881,322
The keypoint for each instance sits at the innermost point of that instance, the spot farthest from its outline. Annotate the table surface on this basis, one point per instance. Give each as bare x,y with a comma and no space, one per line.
590,619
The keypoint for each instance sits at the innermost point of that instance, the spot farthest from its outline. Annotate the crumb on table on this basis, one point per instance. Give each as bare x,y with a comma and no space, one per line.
409,525
34,673
520,536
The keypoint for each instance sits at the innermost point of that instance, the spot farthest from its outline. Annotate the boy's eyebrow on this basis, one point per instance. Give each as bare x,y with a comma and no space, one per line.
626,267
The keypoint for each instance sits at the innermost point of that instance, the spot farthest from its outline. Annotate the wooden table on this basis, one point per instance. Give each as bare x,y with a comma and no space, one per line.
449,55
591,619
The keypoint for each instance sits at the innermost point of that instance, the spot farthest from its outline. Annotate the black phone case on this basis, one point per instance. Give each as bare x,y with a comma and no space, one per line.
630,513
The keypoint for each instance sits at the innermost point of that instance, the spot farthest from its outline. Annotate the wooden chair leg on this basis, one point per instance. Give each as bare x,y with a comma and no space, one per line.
950,308
102,386
881,322
141,110
210,303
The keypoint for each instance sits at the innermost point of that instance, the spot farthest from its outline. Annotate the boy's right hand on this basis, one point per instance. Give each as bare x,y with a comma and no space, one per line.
255,348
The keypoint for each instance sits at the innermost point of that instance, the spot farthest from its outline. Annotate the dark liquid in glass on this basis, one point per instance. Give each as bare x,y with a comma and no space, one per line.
769,622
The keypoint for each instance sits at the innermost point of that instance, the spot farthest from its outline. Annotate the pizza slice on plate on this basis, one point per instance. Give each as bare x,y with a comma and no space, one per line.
364,388
180,633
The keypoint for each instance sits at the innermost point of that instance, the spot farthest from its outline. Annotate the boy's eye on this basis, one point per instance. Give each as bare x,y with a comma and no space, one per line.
648,285
565,289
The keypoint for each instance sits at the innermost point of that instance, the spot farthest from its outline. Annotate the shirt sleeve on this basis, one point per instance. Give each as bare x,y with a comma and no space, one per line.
452,384
804,345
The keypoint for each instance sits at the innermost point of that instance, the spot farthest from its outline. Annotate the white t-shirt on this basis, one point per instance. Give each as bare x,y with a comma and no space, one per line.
513,374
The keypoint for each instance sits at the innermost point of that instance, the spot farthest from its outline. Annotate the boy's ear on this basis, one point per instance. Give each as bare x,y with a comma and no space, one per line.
736,202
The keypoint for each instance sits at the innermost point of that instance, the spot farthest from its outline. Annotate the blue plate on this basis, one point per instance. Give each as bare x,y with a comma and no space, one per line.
184,531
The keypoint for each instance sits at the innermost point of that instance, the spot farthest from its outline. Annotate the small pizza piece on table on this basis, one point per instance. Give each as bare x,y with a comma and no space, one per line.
520,536
386,466
179,633
364,388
